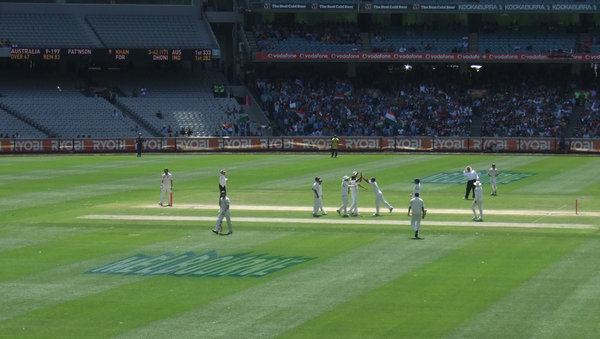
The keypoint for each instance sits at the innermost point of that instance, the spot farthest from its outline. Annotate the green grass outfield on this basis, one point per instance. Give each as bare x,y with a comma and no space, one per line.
86,252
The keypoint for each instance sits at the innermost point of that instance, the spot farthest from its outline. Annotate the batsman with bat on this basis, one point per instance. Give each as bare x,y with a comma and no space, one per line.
166,186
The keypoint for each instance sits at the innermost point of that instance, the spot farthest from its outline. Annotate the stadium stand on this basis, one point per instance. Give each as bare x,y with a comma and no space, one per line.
185,101
340,106
589,120
529,112
74,116
527,40
420,39
333,38
13,127
151,31
61,106
56,30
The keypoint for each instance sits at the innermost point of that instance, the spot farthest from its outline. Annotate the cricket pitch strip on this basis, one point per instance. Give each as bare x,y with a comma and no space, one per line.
400,217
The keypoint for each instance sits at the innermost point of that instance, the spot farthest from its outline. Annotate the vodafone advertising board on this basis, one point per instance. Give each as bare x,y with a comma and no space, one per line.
306,144
415,57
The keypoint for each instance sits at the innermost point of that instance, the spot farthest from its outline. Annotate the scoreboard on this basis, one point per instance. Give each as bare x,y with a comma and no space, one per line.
111,54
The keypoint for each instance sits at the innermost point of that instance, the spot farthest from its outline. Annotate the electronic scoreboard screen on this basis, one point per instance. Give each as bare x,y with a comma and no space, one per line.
111,54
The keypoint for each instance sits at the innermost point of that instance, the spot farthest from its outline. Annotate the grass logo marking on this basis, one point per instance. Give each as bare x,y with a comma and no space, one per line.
505,177
209,264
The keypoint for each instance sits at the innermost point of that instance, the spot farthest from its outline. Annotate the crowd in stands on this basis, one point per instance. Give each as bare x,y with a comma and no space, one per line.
300,106
542,111
268,34
383,39
589,118
8,43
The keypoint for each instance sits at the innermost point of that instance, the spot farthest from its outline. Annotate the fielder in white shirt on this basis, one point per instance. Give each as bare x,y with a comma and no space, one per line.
354,185
378,197
166,185
344,193
417,206
417,188
224,212
493,174
318,195
478,201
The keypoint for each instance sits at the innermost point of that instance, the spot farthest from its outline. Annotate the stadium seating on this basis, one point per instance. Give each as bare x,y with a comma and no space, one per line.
184,100
72,116
527,40
11,126
332,38
152,31
420,40
47,30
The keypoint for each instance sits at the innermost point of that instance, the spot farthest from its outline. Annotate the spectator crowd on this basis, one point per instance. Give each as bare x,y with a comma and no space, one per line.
267,35
298,105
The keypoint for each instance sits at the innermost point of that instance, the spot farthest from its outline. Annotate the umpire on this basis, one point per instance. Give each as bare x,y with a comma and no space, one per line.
471,176
139,142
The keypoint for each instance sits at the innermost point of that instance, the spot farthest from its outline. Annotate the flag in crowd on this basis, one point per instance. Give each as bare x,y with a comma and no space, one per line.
390,117
226,127
346,109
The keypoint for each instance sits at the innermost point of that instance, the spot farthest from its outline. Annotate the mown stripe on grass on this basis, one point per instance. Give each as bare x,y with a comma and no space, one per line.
579,176
558,302
66,283
21,236
292,221
446,292
285,302
114,183
332,171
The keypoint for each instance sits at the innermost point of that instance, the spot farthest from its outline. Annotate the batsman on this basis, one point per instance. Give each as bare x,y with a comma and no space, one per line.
166,186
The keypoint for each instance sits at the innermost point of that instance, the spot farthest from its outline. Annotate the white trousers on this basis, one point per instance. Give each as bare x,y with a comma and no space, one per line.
318,205
227,215
378,200
162,194
493,184
477,203
415,221
354,204
344,207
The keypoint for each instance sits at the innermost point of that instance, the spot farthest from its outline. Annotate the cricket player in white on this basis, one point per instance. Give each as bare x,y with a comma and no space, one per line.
493,174
354,185
417,206
318,195
223,213
417,188
378,197
478,201
166,186
344,192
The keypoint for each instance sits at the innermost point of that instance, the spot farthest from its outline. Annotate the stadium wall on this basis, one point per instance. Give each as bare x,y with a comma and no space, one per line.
302,144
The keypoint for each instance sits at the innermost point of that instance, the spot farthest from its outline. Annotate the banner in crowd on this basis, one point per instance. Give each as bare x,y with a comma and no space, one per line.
417,6
301,144
429,57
